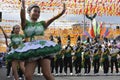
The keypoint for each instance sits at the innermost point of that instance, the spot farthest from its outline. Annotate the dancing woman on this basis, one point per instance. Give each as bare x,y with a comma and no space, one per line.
16,41
40,50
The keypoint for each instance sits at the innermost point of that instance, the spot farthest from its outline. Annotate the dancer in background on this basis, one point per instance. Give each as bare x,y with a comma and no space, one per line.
16,41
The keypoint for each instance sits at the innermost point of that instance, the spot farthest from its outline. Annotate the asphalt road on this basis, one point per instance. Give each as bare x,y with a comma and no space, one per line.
91,76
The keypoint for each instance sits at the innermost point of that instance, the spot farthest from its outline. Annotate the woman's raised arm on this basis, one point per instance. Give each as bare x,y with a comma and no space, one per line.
22,14
6,36
47,23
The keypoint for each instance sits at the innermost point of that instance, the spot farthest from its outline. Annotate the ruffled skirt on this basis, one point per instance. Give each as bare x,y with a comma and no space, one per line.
33,50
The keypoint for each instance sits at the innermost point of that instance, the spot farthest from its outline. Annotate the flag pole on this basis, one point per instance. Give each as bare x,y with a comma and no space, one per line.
83,37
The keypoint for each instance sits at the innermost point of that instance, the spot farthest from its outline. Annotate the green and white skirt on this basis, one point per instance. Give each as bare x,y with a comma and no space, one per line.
34,50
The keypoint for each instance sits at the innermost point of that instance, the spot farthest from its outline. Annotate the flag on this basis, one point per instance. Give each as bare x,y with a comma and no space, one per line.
99,28
95,26
91,31
101,24
87,34
106,32
102,31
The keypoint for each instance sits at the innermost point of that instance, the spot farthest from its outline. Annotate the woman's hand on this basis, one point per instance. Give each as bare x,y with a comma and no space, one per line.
22,3
48,22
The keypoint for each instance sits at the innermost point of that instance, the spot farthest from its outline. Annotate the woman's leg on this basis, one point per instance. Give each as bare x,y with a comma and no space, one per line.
45,65
22,66
14,69
9,64
29,69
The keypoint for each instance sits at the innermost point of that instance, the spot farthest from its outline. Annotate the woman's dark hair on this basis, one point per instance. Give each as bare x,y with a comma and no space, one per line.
31,7
12,32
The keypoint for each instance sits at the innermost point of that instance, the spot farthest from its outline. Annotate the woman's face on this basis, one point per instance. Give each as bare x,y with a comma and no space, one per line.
34,13
17,29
